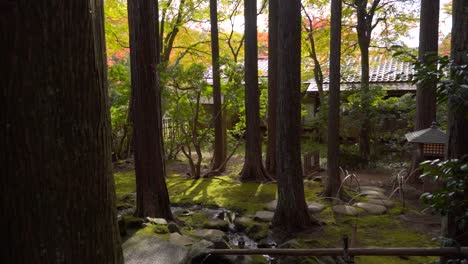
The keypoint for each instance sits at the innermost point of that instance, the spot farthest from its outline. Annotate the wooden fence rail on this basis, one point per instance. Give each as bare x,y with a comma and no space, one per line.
445,252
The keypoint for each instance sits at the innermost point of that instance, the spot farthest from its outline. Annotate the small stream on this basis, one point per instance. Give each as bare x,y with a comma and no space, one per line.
236,238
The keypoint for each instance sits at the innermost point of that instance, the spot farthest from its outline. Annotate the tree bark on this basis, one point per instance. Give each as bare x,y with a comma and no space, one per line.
253,169
364,32
426,91
334,180
457,142
457,145
152,195
270,162
291,214
58,199
219,154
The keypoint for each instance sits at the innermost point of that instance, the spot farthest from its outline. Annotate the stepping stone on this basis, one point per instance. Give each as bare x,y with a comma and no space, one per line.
217,224
384,202
213,235
373,194
345,210
315,207
264,216
157,221
271,206
372,188
147,249
180,240
373,209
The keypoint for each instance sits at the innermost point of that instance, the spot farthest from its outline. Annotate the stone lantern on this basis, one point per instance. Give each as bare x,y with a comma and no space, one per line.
430,141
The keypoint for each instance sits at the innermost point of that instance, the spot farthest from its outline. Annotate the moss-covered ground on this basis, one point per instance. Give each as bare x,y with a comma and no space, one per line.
247,198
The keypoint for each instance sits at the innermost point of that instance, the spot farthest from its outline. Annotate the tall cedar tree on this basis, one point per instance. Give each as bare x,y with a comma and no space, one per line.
219,155
58,196
291,214
253,169
426,91
334,180
364,32
457,145
270,162
152,195
458,121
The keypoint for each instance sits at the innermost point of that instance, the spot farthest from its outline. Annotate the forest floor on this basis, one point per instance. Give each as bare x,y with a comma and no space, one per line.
405,224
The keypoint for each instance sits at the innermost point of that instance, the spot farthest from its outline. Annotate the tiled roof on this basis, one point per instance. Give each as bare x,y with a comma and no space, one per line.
262,70
429,135
393,73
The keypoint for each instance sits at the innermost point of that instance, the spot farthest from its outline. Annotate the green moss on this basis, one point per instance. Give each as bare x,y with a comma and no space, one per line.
124,184
257,231
132,222
393,260
160,229
225,191
194,220
258,260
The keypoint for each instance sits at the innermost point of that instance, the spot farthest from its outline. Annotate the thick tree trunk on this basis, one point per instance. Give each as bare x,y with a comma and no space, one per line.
219,154
291,214
253,169
334,180
426,91
152,195
270,162
57,188
457,143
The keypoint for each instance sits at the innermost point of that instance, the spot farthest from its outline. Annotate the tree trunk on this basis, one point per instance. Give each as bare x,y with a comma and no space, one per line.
152,195
334,180
58,196
272,85
457,142
364,140
426,91
219,154
291,214
364,32
253,169
457,145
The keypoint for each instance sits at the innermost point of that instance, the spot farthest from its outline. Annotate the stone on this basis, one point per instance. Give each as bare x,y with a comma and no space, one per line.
157,221
372,188
345,210
180,240
384,202
266,243
173,228
150,249
373,209
213,235
373,194
132,222
122,228
242,222
315,207
216,224
264,216
271,206
160,229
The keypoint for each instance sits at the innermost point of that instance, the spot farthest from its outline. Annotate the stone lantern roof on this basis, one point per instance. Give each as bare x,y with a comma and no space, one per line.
432,135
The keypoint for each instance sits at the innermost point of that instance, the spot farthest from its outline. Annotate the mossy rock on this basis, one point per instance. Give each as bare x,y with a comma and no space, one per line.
216,224
132,222
257,231
160,229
